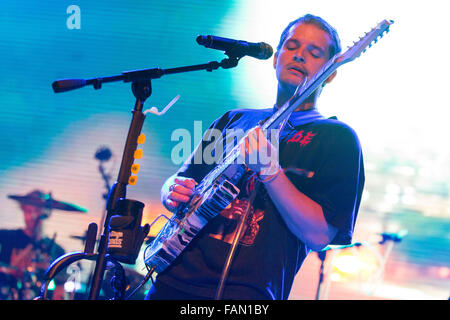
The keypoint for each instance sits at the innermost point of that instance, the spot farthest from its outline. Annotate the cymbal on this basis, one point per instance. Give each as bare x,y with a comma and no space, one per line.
81,238
41,200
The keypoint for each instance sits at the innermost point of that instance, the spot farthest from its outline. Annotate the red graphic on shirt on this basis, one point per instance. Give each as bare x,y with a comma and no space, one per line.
301,138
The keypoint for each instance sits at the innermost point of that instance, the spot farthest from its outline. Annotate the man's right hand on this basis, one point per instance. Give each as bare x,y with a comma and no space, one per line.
177,190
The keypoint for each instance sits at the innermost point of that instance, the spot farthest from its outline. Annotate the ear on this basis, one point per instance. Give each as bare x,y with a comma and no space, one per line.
275,58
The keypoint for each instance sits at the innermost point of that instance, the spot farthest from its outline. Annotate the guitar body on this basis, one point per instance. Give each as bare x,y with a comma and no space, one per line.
206,203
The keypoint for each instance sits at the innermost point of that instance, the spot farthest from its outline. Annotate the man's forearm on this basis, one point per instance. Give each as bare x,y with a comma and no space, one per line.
303,216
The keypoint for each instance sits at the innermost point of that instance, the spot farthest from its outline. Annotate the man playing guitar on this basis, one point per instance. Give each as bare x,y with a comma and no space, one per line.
305,199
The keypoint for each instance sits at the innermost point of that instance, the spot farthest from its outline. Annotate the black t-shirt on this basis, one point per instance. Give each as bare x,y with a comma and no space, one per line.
18,239
12,239
323,159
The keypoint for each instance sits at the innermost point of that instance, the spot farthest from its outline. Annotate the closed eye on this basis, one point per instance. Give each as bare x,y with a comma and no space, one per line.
316,52
292,44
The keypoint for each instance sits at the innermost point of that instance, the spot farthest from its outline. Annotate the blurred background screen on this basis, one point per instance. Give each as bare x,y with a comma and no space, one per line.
393,96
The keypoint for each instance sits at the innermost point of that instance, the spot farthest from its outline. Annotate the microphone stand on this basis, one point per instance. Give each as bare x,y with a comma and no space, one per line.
142,89
322,254
143,75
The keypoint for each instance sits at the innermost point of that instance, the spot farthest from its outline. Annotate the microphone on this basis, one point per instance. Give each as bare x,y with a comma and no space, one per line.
237,48
395,237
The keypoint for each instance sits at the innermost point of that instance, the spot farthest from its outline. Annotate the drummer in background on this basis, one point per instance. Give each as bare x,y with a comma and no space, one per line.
25,250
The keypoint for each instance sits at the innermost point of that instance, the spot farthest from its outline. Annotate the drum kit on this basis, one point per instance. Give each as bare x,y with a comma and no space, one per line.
21,273
21,278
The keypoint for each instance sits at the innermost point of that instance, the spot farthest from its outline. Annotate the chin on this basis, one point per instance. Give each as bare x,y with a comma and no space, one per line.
289,87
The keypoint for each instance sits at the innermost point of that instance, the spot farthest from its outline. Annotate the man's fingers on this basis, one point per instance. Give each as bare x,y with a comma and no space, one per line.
243,150
178,188
178,197
186,182
172,204
253,143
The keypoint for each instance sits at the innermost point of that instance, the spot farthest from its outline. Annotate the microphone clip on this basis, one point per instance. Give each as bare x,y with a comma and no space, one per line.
236,52
230,62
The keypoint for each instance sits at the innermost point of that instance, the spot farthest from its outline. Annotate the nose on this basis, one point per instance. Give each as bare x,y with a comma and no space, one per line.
299,58
299,54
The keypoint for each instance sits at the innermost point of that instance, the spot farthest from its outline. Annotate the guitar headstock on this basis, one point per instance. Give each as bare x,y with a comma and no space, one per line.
365,42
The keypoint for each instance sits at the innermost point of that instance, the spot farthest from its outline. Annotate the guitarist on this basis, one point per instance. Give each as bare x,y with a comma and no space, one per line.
308,197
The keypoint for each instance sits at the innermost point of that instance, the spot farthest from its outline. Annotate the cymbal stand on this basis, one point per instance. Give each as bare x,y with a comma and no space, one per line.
388,240
103,154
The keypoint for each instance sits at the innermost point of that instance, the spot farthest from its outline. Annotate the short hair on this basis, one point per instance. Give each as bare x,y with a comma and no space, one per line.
320,23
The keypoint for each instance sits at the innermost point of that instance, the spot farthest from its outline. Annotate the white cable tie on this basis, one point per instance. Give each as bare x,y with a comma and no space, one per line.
154,110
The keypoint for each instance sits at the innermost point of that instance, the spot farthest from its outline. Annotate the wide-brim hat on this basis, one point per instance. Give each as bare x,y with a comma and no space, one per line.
43,200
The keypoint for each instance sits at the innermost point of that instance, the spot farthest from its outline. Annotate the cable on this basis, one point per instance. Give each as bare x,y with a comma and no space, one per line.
144,281
235,243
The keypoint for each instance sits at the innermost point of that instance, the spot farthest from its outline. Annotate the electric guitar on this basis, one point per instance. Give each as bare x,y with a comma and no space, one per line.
219,187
